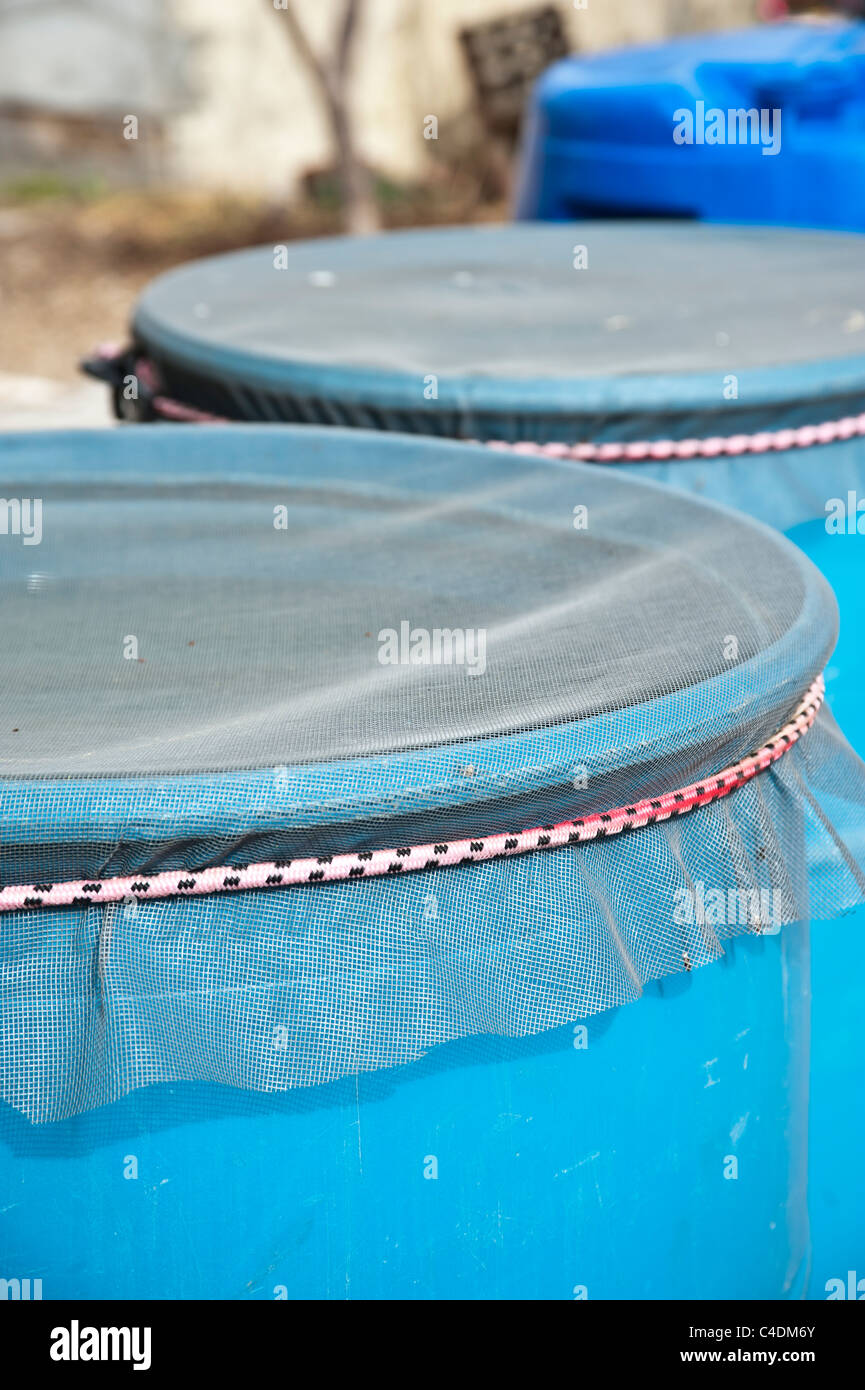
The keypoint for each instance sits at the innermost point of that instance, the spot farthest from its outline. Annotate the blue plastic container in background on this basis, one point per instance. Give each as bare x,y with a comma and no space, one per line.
599,139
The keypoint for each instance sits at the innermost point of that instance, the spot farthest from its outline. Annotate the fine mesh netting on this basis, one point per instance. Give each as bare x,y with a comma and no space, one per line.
544,332
249,645
258,642
782,489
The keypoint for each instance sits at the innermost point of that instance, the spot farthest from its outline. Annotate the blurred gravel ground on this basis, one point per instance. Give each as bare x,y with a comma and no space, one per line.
71,268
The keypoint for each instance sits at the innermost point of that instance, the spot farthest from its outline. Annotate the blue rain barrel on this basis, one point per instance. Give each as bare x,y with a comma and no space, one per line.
759,125
541,1070
606,331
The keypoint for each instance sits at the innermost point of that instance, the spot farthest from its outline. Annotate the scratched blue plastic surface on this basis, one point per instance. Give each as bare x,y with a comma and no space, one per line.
791,491
837,1130
559,1168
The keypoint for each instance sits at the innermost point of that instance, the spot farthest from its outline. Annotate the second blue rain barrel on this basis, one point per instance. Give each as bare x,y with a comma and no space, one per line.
601,332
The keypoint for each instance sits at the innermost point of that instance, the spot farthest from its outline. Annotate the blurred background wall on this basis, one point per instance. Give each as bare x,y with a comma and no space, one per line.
135,134
224,100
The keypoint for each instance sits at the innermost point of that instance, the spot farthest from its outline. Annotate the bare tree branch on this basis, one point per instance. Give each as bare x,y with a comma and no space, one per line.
302,43
330,70
346,33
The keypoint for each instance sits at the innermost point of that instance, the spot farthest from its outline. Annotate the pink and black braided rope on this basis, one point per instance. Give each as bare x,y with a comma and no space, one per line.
292,873
717,446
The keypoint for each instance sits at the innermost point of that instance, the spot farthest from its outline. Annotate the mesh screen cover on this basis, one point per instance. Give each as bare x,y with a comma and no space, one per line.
545,332
236,646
